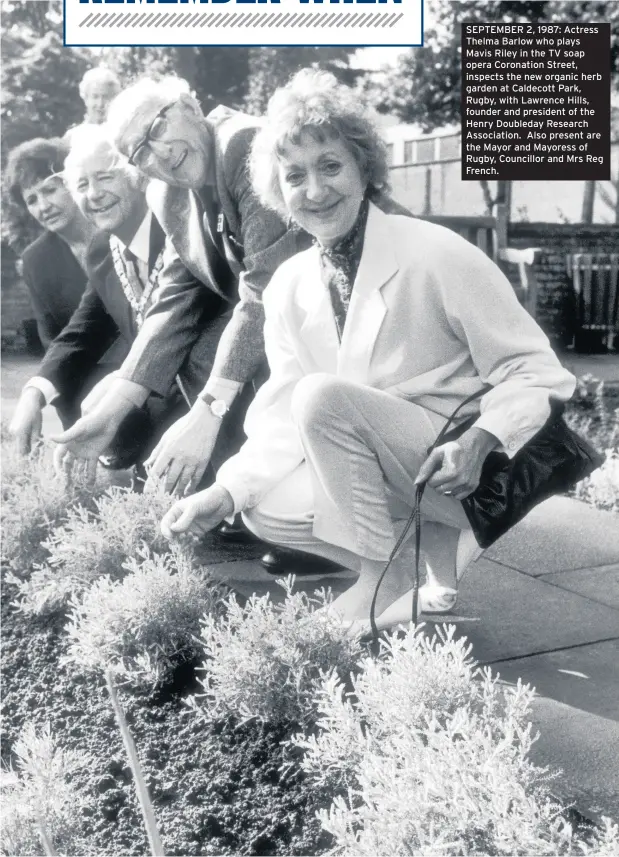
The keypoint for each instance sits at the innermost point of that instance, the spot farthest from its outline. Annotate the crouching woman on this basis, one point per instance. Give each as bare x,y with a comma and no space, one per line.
373,337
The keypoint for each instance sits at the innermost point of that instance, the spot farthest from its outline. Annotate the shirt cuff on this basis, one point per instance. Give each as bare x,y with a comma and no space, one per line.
511,439
222,388
130,391
45,388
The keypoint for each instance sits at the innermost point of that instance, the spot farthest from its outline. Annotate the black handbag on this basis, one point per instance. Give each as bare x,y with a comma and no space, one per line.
552,462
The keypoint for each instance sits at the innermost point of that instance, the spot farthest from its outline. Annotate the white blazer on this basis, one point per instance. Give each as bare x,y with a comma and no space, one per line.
431,319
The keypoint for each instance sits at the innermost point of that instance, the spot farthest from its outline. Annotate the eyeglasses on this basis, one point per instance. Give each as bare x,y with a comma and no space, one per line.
155,131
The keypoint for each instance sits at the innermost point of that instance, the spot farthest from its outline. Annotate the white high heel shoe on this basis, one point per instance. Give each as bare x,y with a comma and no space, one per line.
433,597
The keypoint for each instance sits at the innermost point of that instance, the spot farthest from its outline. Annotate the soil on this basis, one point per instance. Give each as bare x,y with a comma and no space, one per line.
217,788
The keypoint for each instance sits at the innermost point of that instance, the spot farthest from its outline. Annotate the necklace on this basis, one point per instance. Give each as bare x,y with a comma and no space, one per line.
131,285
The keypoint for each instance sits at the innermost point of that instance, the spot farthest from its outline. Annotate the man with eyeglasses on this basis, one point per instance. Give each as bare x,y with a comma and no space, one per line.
201,194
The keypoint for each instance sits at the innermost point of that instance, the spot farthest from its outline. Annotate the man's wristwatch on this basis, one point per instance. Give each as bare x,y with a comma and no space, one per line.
217,407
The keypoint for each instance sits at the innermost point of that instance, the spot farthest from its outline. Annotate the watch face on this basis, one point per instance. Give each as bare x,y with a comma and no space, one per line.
219,408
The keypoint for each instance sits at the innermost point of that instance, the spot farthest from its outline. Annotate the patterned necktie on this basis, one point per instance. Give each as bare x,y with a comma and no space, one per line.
133,272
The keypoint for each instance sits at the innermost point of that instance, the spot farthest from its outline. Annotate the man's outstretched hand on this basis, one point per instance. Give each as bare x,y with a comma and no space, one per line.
91,435
183,453
75,471
198,514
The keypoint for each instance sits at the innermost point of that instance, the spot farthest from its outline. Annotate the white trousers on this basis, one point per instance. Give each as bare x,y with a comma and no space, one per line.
350,497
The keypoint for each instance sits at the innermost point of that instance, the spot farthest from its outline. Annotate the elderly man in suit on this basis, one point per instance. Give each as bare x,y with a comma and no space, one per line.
201,194
54,265
124,267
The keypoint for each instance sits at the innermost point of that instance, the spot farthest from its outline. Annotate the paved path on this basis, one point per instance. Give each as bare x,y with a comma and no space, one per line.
541,605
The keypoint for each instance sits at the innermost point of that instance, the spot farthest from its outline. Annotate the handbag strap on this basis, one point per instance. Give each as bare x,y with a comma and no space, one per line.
415,516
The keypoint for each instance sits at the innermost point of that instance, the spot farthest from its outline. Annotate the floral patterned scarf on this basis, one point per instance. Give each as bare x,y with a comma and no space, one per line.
339,265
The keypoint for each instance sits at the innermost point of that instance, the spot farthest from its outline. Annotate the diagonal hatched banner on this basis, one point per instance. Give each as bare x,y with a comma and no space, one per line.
237,22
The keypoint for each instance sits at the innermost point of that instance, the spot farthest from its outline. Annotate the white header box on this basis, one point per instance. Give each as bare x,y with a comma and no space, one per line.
268,23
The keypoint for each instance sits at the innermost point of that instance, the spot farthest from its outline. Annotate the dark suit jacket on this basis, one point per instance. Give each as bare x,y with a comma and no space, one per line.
56,282
255,242
104,317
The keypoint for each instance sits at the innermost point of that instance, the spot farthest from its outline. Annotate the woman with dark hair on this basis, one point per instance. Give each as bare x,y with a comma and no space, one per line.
373,336
53,268
54,265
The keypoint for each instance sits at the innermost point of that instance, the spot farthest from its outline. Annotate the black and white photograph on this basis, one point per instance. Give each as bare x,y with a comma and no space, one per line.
310,440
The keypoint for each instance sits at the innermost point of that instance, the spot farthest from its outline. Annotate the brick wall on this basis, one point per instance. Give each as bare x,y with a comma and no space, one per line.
555,306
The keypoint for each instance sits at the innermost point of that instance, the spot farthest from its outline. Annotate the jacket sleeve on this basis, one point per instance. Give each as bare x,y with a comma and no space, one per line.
266,244
508,348
273,448
47,327
180,306
77,349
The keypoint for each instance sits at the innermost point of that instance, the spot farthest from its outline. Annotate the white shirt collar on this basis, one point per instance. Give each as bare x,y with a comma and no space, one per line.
140,243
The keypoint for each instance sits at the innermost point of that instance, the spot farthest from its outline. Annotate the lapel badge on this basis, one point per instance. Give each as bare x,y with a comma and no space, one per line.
220,222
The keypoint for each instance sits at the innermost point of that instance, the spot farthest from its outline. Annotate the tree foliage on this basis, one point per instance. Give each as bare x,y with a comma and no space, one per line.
40,96
272,67
216,75
39,76
425,85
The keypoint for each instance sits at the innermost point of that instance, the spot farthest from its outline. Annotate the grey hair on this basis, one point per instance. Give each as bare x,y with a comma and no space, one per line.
136,101
315,101
99,74
89,140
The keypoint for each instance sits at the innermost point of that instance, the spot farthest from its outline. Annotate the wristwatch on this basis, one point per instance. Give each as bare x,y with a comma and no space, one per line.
218,407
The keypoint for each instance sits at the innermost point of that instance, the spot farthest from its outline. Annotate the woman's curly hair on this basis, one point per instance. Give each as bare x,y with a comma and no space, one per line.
316,102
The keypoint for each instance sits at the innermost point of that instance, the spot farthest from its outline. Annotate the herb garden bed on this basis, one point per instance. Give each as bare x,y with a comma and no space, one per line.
260,728
217,789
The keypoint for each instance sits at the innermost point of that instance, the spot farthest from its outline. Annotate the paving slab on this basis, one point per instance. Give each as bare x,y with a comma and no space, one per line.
586,749
248,577
508,614
605,367
560,534
599,584
585,677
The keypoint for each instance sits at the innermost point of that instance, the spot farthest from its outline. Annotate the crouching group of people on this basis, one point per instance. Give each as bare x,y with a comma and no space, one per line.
233,260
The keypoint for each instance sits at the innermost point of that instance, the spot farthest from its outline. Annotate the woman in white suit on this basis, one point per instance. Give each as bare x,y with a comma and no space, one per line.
373,336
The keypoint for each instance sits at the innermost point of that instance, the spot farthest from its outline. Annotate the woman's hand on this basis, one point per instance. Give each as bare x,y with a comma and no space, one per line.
454,468
198,514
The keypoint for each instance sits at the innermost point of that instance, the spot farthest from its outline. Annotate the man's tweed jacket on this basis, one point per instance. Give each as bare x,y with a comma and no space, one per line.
255,242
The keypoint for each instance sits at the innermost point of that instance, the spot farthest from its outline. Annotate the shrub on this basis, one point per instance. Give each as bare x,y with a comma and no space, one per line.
140,628
266,660
429,755
34,499
89,545
601,489
593,413
38,799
